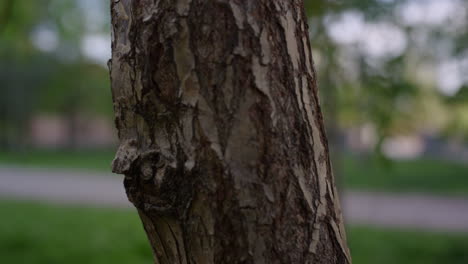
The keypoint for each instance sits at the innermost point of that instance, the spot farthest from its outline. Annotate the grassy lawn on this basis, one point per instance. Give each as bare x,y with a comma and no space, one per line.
421,175
370,246
37,233
67,159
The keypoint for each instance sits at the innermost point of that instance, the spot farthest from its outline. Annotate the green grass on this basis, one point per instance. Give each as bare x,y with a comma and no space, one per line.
83,159
36,233
421,175
370,246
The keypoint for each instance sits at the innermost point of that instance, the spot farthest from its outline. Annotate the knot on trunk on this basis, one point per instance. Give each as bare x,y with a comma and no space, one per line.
154,179
126,155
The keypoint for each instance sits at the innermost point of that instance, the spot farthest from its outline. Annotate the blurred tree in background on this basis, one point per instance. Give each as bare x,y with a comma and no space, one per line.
52,60
397,65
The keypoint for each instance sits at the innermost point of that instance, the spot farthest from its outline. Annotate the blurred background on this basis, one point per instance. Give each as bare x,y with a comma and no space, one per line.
393,80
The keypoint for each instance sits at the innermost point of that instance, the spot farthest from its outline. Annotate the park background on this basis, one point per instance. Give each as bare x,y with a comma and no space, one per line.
393,80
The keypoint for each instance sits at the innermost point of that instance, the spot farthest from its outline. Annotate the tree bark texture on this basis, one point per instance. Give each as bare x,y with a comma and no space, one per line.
221,136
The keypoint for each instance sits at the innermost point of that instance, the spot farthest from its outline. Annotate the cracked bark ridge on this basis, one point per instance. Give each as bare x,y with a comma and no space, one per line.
221,136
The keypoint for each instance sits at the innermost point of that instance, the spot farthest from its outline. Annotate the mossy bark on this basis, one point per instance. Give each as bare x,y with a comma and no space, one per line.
222,141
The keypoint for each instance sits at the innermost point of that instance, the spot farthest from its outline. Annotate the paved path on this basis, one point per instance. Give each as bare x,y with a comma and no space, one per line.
63,186
415,211
363,208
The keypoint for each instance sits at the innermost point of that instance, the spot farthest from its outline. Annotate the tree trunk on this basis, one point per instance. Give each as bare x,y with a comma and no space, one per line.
222,139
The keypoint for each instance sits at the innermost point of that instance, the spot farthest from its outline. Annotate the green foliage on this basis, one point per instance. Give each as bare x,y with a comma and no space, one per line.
18,17
369,6
461,97
385,92
80,87
55,81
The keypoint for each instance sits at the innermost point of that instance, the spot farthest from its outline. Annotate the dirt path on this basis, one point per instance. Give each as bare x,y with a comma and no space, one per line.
413,211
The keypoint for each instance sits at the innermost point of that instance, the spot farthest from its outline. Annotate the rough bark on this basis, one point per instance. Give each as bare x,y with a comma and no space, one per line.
222,139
